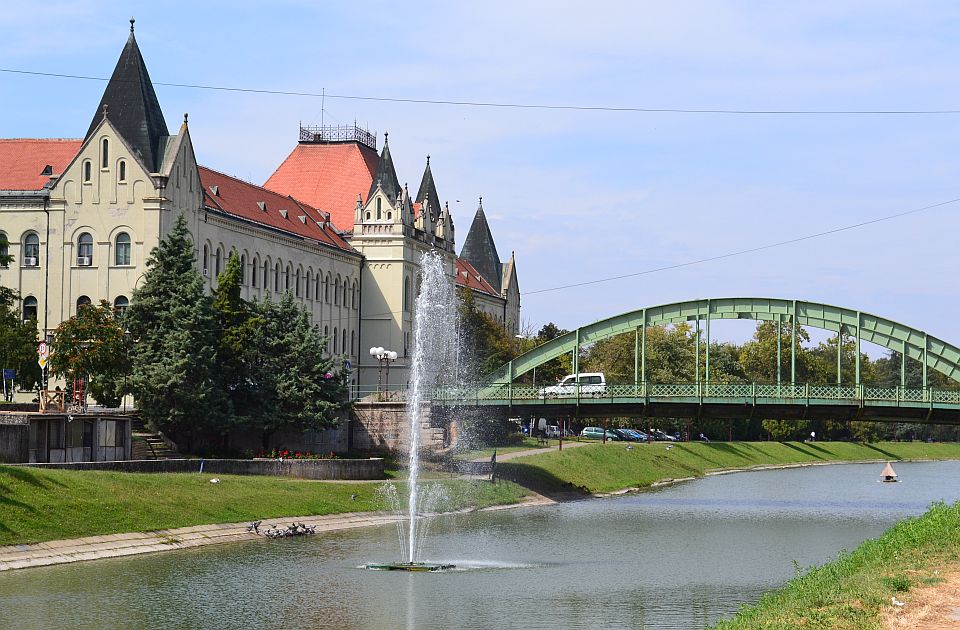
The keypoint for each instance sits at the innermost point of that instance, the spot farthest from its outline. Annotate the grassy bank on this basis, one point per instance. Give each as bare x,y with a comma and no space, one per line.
38,505
852,591
611,467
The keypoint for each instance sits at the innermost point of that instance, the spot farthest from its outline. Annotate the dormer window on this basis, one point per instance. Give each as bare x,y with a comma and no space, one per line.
105,154
379,214
122,171
87,176
47,171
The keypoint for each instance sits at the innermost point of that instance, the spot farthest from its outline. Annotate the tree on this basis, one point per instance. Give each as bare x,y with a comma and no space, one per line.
293,385
92,345
18,341
484,342
237,329
5,257
175,378
758,357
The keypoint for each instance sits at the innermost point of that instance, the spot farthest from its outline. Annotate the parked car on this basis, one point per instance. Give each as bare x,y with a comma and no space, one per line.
596,433
662,436
630,435
641,436
553,431
590,384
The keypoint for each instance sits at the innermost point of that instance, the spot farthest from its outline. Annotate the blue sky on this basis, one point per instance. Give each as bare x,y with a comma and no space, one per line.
580,195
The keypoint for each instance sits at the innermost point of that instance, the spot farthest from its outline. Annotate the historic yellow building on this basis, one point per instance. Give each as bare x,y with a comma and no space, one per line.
332,225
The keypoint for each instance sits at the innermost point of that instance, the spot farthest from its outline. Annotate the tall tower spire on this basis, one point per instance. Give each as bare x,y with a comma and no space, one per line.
386,175
480,251
133,106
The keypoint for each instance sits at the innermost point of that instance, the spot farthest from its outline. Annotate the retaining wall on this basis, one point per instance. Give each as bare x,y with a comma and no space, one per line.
325,469
383,426
14,437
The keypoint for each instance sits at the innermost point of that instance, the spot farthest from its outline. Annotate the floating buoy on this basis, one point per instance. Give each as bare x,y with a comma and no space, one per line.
888,474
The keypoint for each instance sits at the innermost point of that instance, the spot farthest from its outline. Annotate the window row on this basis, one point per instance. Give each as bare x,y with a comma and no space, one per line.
31,250
277,278
30,305
337,342
105,165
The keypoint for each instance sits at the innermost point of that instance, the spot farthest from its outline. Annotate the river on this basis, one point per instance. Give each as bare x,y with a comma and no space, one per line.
681,556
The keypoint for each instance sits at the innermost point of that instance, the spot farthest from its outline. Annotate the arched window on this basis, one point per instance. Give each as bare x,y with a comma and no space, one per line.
336,291
406,294
296,285
121,254
85,250
217,261
389,216
31,250
343,344
276,278
368,216
356,296
105,154
353,342
326,339
308,285
29,308
326,288
122,171
206,260
4,248
243,268
317,293
335,350
379,213
87,172
344,300
266,275
286,279
120,304
82,301
253,273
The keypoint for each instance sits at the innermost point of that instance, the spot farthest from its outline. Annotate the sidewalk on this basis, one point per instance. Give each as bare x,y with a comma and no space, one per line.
534,451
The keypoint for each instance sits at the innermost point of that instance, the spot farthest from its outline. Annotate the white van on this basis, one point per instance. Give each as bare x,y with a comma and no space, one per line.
591,384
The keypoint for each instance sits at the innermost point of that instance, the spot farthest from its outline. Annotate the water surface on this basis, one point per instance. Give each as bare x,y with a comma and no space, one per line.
676,557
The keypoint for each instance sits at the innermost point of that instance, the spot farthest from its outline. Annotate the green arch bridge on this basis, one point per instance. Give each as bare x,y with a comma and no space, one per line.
786,398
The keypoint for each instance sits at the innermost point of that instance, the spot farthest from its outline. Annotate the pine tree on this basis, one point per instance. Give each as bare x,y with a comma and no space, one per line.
237,327
294,386
175,332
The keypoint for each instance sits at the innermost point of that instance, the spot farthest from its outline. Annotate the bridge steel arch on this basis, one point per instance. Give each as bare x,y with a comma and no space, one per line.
933,353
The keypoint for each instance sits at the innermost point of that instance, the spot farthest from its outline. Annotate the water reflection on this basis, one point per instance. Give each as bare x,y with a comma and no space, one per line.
677,557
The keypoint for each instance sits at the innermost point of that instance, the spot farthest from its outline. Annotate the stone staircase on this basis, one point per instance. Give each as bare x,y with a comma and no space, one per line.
149,445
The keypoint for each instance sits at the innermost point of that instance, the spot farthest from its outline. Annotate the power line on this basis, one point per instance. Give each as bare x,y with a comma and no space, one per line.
742,252
510,105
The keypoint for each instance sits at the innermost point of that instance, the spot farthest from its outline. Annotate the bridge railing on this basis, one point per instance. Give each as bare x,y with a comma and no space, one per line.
518,393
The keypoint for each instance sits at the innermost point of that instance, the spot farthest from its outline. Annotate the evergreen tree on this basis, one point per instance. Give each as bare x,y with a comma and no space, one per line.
237,328
293,385
175,331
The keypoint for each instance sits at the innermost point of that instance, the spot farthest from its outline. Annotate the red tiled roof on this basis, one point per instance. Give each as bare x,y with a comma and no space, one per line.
243,199
470,278
328,177
23,159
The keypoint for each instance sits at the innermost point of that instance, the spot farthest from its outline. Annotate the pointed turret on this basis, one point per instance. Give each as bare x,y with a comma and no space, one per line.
386,175
131,105
480,251
427,195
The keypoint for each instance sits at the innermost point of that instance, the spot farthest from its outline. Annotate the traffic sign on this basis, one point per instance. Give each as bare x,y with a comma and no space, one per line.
42,350
347,365
8,374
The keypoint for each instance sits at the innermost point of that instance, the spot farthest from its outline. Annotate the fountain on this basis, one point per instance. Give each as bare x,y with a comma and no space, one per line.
434,358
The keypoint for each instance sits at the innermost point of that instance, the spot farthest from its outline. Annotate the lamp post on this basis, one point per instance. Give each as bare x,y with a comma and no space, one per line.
384,358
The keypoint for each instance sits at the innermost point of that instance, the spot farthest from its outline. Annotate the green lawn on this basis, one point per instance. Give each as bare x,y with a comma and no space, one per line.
38,505
851,591
611,467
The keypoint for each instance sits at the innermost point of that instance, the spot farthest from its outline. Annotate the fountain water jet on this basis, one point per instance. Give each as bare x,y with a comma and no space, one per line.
433,363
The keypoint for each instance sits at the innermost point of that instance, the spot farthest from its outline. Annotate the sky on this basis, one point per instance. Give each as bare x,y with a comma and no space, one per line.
579,195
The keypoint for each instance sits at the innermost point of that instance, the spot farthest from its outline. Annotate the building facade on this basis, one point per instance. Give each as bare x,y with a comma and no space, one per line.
332,225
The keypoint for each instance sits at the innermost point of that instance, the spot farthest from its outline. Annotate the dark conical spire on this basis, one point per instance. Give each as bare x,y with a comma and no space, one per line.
480,251
428,190
132,107
386,175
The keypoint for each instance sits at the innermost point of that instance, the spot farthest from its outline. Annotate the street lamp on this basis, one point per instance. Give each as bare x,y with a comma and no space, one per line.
384,358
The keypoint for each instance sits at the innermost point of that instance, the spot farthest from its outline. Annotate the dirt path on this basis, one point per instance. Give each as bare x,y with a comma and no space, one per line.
928,607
